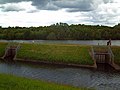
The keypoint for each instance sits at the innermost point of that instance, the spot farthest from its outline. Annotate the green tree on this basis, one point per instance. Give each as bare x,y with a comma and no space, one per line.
51,36
26,34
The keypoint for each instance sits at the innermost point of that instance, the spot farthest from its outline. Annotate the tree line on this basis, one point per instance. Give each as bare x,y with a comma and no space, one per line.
61,31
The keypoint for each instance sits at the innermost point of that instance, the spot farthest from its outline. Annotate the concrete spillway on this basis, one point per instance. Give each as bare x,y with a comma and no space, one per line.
10,52
104,55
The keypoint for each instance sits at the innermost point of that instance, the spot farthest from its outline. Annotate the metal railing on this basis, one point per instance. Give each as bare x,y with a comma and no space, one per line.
111,54
99,51
92,52
18,47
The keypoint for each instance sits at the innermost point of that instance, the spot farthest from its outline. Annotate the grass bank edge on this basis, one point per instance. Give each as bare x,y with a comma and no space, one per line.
11,82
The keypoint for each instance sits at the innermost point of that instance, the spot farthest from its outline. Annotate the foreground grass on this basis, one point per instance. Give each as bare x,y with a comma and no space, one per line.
116,52
9,82
2,48
76,54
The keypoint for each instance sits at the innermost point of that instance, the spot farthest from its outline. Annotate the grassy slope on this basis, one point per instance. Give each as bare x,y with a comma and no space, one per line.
2,48
56,53
9,82
116,52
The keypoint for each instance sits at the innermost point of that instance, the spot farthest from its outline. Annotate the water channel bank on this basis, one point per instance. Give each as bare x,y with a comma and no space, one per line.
11,82
102,78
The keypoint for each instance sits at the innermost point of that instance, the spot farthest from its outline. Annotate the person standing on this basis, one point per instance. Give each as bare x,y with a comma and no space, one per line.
109,42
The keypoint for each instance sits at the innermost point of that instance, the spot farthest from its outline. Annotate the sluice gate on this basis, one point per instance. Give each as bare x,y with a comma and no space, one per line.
103,55
11,51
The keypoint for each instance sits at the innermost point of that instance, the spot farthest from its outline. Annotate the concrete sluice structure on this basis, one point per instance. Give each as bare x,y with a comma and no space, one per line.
104,55
11,51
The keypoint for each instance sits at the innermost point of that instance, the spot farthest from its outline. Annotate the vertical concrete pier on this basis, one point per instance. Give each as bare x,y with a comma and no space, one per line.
11,51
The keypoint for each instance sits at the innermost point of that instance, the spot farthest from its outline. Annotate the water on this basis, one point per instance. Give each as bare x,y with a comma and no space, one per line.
83,42
101,79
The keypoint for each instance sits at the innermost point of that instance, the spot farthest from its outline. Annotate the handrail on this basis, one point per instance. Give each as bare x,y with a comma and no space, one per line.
93,54
18,47
111,53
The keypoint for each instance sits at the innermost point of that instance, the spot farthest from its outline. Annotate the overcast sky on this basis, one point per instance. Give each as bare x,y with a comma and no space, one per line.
46,12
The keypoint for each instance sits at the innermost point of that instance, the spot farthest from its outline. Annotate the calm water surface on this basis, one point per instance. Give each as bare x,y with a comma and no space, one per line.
105,78
83,42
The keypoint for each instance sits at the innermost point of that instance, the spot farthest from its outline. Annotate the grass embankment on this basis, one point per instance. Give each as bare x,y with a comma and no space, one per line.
116,52
9,82
75,54
2,48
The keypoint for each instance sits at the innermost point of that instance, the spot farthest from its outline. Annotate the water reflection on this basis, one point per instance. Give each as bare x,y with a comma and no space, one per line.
100,79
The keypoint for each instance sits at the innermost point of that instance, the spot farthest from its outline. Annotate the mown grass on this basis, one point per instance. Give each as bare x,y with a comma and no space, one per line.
76,54
2,48
116,52
10,82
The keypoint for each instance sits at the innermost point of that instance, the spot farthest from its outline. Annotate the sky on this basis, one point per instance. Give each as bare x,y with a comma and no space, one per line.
27,13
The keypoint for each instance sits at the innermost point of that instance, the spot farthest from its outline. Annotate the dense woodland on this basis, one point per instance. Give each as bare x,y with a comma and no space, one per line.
61,31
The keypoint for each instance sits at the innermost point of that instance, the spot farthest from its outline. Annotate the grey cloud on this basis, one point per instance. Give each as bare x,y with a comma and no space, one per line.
12,1
45,4
108,1
101,19
76,5
9,5
40,4
69,5
11,8
32,11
